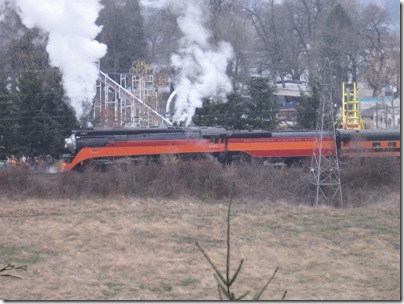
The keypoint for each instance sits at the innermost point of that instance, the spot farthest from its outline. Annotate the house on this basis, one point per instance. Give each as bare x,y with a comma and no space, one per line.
382,114
287,99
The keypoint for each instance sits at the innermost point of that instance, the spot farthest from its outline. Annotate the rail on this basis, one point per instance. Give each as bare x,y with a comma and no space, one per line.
104,78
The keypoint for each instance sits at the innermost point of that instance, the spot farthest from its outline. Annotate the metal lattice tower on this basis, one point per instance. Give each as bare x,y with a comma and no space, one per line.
324,163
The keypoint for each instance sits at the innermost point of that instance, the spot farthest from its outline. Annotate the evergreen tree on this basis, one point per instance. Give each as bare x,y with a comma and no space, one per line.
254,112
26,99
5,127
307,111
123,33
228,114
34,118
339,45
261,113
61,115
40,118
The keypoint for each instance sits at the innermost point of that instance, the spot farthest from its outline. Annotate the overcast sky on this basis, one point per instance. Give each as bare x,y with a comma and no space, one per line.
392,6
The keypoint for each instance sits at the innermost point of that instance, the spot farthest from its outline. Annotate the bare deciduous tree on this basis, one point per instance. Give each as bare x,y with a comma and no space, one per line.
162,35
286,34
228,23
378,54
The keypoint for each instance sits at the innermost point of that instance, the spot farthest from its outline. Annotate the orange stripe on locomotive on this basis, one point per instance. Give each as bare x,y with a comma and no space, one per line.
280,147
370,143
145,148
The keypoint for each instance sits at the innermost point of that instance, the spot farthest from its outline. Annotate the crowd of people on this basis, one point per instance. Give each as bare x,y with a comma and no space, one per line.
37,164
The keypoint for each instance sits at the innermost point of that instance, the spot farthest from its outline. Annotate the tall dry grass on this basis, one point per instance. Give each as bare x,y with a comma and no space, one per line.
144,249
363,181
129,233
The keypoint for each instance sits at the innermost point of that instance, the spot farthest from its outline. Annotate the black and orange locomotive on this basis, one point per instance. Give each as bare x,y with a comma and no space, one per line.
104,145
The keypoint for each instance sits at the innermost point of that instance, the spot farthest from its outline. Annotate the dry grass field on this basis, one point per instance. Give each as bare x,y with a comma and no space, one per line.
143,248
126,249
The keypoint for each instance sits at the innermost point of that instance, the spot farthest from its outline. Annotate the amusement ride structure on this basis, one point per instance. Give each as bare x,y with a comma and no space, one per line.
127,100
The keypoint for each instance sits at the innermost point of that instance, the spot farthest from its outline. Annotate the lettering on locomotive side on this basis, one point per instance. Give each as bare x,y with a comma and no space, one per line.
278,139
213,146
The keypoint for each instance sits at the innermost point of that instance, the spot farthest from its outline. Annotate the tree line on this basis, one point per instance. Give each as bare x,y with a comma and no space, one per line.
273,41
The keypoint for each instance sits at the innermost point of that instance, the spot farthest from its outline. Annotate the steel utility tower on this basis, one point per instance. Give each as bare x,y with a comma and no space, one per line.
324,163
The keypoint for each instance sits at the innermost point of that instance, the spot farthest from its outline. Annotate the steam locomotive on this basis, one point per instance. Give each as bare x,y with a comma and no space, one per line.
102,146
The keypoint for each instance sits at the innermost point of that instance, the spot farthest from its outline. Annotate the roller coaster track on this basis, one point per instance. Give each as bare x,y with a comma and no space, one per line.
127,108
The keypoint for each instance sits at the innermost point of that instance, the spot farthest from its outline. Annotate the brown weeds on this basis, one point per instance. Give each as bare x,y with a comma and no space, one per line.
202,179
144,249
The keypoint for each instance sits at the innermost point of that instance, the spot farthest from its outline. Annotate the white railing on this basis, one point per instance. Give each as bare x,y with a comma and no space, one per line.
146,116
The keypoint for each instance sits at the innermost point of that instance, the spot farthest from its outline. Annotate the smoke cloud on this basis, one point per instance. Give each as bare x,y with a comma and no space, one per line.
71,45
201,65
2,9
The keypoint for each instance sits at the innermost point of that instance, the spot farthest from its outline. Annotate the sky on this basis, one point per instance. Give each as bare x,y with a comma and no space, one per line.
392,6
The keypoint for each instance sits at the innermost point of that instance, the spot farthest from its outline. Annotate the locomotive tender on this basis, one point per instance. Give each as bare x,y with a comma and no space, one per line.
101,146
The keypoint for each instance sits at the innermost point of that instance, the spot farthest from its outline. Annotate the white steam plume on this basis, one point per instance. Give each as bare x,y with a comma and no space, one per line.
2,9
71,45
201,65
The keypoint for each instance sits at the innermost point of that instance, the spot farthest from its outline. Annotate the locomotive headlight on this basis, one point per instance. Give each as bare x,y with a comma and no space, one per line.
70,143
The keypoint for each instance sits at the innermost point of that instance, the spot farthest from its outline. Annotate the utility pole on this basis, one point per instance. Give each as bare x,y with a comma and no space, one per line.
324,163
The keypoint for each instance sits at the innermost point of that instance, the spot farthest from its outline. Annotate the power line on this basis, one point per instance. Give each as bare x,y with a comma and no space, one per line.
34,117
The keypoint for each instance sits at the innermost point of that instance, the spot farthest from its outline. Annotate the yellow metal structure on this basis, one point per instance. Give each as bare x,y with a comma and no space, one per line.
351,109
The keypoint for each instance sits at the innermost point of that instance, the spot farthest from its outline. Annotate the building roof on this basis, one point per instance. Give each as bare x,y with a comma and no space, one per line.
376,99
378,108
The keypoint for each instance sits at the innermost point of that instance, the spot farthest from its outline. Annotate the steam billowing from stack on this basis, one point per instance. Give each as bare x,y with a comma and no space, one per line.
3,6
201,65
71,45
